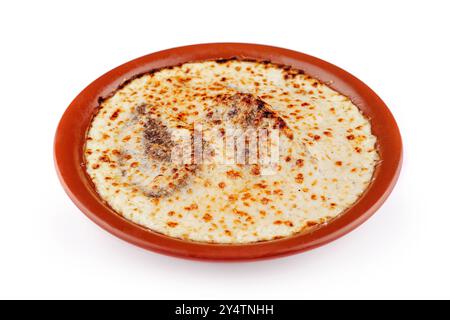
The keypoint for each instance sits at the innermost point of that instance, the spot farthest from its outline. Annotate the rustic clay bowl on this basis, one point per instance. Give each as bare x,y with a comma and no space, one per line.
71,132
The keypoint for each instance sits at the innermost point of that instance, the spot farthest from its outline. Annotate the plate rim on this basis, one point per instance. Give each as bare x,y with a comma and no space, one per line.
71,132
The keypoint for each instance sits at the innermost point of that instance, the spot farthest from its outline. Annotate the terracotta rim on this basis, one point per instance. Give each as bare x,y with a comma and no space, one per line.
70,135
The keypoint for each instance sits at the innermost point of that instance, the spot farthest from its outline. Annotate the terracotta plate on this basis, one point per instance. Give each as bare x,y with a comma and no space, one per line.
70,135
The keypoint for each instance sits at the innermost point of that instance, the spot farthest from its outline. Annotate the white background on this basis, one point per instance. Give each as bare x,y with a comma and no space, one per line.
50,50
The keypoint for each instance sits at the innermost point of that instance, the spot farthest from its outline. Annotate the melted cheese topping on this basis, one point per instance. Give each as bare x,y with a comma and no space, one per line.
327,152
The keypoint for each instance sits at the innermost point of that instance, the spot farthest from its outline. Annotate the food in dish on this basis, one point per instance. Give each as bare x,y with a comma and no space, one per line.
158,151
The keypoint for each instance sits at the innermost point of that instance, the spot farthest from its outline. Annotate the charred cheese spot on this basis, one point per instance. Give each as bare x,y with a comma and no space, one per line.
172,224
207,217
233,174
